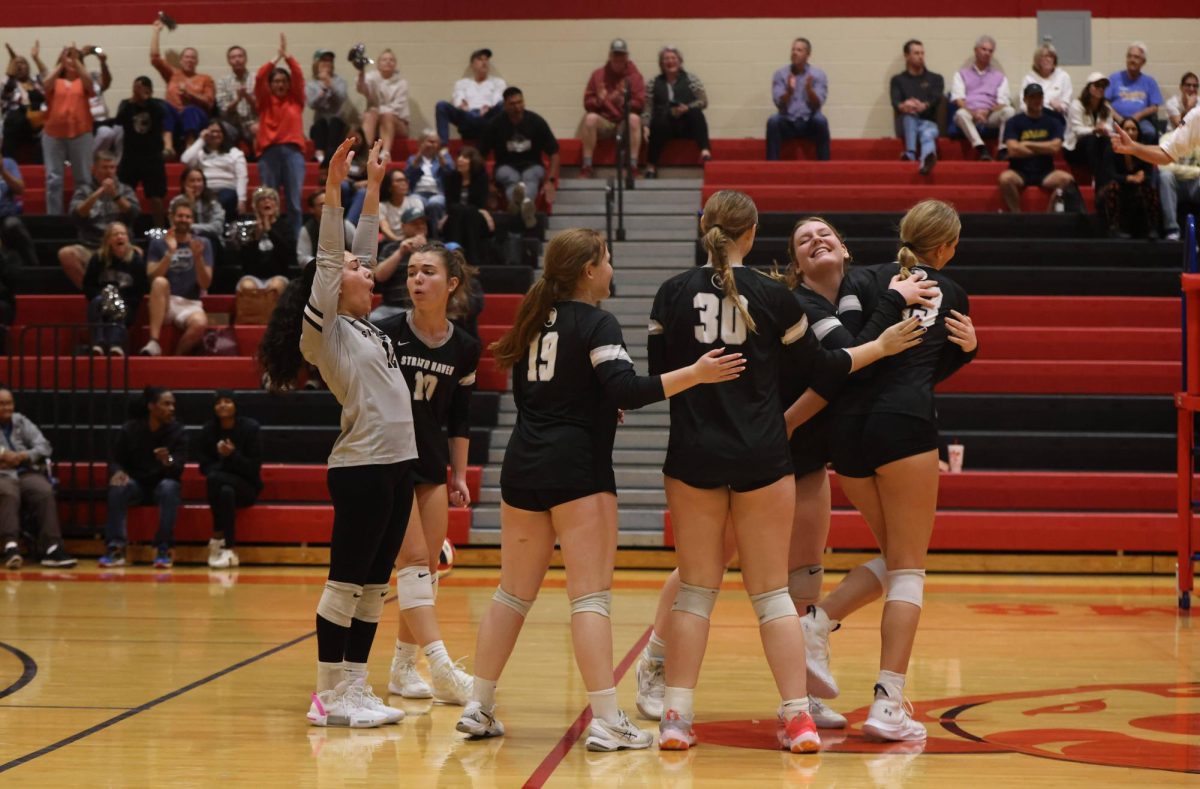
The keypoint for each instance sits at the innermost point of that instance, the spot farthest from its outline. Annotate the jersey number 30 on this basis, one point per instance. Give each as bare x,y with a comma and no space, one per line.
719,318
543,353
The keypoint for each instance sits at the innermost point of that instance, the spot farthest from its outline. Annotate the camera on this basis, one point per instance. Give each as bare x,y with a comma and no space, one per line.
358,56
168,22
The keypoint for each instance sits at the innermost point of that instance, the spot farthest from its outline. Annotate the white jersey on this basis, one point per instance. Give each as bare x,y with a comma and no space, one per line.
1186,137
357,360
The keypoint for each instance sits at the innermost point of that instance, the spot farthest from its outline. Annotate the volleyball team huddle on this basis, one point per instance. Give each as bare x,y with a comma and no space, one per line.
770,379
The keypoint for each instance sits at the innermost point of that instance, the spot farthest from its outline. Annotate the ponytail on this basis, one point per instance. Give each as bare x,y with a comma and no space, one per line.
928,225
728,215
533,312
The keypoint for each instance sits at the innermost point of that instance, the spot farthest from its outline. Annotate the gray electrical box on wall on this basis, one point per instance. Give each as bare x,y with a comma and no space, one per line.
1071,34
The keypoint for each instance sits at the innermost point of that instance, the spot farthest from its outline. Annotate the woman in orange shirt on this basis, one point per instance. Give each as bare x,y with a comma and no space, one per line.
190,95
67,134
279,93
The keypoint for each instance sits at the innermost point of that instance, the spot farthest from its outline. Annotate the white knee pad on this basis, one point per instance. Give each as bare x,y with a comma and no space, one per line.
413,587
433,582
878,568
775,604
339,602
804,583
594,603
512,601
698,600
370,605
906,586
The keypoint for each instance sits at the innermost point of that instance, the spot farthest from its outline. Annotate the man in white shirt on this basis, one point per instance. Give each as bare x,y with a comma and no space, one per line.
476,99
1174,148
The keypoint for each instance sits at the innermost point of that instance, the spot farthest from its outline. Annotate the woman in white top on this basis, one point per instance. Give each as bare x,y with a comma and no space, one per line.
394,201
387,102
1055,82
1089,123
224,168
1182,102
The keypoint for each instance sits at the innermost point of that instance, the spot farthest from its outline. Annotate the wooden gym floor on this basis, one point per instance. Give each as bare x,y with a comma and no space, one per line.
186,678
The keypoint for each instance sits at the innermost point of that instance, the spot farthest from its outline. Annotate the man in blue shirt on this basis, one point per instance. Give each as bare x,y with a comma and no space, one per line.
1133,94
1034,137
799,91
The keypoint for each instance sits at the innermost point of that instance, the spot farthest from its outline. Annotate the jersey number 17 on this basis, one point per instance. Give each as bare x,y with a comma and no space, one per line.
719,318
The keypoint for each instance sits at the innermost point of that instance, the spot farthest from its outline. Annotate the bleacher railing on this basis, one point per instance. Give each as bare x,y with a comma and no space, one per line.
1187,403
77,399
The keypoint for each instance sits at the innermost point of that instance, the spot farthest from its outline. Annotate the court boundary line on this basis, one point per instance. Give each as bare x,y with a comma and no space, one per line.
560,750
29,670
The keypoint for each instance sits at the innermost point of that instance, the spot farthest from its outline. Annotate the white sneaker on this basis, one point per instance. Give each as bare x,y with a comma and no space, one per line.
403,680
343,706
1173,235
891,719
477,722
817,625
451,685
376,704
823,716
518,198
675,732
604,736
652,687
151,348
220,557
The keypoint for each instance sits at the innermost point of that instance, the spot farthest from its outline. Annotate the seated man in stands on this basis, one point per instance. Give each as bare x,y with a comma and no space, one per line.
235,98
24,484
231,460
1033,137
604,105
147,143
518,139
426,171
1135,94
981,96
93,209
391,275
1178,180
180,268
144,467
916,99
476,100
190,95
799,91
306,247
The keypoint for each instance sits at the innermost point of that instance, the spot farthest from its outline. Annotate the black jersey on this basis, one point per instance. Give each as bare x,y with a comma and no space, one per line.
568,386
903,384
734,430
441,377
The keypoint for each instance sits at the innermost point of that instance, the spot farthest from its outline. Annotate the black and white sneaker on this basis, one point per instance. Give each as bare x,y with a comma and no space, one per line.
12,557
58,557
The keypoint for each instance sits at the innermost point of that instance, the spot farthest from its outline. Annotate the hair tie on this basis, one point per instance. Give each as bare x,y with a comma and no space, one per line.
907,245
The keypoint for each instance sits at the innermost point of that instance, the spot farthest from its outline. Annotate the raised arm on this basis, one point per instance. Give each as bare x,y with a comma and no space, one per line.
156,58
331,244
366,235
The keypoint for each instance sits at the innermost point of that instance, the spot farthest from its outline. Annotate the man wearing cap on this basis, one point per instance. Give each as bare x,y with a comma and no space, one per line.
799,91
1134,94
1033,138
325,94
1177,150
521,142
980,94
1089,124
391,275
235,98
604,103
476,100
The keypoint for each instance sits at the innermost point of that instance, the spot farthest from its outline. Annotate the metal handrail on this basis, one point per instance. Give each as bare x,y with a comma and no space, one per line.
608,219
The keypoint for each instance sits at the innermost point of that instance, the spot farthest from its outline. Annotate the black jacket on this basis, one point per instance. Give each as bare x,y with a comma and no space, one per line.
477,190
133,451
246,459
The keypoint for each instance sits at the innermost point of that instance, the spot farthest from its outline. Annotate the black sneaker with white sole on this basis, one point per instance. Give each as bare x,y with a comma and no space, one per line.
58,557
12,557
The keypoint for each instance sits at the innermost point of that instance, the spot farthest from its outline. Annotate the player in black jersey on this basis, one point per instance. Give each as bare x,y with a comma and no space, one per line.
438,360
884,440
571,373
728,454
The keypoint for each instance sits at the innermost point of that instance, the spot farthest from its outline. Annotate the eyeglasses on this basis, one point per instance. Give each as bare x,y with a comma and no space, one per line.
1191,84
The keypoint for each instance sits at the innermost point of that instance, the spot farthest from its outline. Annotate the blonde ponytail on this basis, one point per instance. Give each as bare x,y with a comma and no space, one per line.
728,215
928,225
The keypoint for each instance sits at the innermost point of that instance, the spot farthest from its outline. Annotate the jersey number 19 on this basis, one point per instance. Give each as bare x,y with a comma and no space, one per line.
543,353
719,318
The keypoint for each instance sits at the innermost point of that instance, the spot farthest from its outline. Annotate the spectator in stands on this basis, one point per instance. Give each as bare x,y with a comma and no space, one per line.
468,222
1129,198
16,245
799,91
1182,102
917,100
1033,138
1135,94
269,254
386,116
1179,179
67,135
326,97
426,172
22,102
180,269
605,109
231,461
518,140
146,141
466,314
280,143
25,485
12,186
224,168
306,247
1089,123
675,103
981,95
236,102
144,467
190,95
93,209
475,101
1055,82
120,264
106,135
391,274
209,220
394,203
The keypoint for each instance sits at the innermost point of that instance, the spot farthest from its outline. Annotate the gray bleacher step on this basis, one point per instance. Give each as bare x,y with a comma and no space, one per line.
650,203
635,438
628,478
628,275
652,235
645,250
635,224
629,306
642,497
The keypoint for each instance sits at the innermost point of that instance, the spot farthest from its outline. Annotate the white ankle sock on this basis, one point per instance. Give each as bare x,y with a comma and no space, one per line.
329,675
892,682
656,648
790,708
354,671
435,653
682,700
484,691
604,705
406,652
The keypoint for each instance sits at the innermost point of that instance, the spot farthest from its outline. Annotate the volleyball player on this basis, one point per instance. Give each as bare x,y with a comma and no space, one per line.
884,440
728,455
321,319
438,360
571,374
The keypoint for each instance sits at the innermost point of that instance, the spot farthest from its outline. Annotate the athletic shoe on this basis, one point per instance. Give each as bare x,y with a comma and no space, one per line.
816,625
586,171
403,680
1002,155
372,702
528,214
343,706
798,734
891,719
928,163
12,556
823,716
151,348
451,685
114,558
1173,235
220,557
984,155
97,350
652,687
57,557
623,736
162,559
675,732
518,198
116,350
479,723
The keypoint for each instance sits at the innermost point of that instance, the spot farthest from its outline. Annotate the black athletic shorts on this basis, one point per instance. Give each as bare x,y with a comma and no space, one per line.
425,473
543,500
149,172
744,484
810,446
861,443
